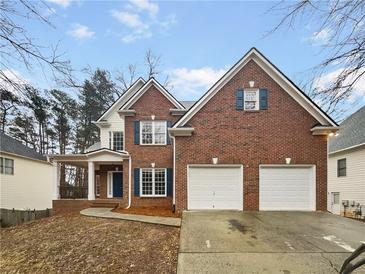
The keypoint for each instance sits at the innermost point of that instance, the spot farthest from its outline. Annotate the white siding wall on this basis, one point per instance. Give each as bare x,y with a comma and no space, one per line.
116,124
351,186
29,188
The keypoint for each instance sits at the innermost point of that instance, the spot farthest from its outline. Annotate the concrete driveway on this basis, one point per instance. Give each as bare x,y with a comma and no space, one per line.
266,242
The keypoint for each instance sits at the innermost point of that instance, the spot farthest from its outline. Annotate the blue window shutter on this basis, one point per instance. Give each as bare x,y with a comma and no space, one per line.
169,181
136,182
136,132
239,99
263,98
110,140
168,139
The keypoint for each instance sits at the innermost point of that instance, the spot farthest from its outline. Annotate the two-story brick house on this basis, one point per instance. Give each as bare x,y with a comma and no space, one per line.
253,141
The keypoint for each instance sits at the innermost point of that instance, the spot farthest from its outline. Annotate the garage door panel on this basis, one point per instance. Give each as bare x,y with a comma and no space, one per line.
215,188
288,188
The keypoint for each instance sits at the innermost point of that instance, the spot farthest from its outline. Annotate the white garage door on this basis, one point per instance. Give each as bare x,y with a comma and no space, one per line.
215,188
287,188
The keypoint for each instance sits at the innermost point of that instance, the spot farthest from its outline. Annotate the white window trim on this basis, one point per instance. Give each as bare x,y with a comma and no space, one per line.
257,99
153,133
153,183
111,139
5,167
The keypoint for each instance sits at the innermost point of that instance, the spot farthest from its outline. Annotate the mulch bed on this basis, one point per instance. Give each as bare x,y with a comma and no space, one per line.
149,211
77,244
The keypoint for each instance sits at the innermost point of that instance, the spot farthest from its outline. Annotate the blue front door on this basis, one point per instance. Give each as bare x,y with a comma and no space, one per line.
117,184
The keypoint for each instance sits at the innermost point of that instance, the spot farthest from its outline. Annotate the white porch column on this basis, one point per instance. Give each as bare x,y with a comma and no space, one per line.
56,181
91,181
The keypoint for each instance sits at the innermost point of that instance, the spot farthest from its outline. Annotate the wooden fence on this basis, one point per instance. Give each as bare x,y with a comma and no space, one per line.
11,217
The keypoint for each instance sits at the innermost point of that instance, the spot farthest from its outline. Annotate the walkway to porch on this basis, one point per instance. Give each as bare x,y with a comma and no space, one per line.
108,214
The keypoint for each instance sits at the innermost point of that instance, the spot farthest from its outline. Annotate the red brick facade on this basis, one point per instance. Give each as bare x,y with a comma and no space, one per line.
152,102
248,138
252,138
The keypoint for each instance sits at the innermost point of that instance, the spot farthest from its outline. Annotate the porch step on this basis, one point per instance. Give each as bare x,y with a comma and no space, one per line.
105,204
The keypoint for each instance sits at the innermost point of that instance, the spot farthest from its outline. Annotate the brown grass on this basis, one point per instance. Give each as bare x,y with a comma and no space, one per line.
75,244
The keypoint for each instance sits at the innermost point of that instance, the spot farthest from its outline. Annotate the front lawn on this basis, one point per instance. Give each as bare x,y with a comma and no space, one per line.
75,244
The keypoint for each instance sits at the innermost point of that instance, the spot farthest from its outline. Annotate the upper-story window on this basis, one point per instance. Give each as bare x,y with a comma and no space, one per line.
251,98
6,166
153,132
341,167
116,140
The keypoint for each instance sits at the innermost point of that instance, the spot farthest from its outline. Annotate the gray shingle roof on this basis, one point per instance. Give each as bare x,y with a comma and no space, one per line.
93,147
351,133
10,145
187,104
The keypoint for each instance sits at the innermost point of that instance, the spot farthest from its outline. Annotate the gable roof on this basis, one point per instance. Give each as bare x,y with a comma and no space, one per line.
351,133
146,86
124,97
13,146
276,75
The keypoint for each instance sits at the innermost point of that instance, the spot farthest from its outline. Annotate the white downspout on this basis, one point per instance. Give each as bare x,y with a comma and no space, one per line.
173,173
129,182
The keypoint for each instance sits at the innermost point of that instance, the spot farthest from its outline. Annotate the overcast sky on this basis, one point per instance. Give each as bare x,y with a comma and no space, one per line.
198,42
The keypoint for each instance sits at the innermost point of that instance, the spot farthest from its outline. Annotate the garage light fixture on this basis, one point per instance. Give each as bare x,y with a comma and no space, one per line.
287,160
215,160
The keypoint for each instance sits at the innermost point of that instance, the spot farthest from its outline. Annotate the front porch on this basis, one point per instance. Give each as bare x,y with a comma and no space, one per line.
105,181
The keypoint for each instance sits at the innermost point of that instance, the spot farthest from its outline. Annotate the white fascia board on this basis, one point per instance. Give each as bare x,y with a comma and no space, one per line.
318,130
104,150
254,55
184,131
139,81
348,148
146,86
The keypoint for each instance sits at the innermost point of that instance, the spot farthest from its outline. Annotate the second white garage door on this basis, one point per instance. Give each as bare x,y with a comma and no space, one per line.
287,188
215,187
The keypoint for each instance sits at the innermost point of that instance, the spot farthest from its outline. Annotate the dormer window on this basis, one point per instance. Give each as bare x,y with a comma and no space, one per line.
251,97
116,140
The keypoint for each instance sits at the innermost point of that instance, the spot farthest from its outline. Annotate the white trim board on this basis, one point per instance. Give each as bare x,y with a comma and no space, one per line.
344,149
274,73
145,87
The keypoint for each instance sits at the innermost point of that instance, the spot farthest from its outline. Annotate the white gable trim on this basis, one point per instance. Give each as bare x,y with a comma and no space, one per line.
107,151
123,97
146,86
271,70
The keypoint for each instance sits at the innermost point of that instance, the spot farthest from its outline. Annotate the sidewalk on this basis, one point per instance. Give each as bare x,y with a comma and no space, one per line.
107,213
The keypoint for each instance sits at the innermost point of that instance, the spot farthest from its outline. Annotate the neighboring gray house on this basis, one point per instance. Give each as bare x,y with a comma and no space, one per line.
346,167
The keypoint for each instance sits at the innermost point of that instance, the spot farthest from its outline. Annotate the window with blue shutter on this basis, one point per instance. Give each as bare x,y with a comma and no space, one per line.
169,182
136,182
168,139
136,132
263,98
239,99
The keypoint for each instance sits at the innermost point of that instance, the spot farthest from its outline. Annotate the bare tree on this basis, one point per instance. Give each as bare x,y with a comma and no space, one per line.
152,64
341,25
127,78
18,47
